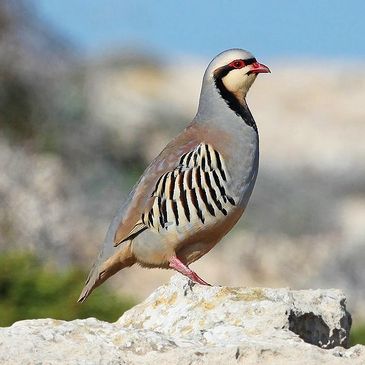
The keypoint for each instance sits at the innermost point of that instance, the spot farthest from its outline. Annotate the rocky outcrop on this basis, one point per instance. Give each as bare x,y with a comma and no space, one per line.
183,323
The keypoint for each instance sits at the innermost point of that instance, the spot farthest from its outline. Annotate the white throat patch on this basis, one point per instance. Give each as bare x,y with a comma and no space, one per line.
238,81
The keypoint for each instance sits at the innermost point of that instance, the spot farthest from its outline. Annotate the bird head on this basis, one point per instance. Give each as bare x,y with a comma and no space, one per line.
234,71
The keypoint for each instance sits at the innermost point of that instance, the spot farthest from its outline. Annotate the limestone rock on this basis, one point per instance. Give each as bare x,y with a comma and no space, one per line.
181,323
227,316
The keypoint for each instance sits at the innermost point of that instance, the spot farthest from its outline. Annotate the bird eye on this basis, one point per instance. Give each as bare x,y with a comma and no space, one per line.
237,64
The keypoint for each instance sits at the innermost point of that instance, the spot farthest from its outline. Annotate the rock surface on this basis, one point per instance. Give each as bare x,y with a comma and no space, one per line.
181,323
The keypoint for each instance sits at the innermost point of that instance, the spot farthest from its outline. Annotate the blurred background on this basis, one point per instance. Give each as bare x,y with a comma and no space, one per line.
91,91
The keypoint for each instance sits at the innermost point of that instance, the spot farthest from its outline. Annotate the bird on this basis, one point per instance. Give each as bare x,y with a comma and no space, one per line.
197,188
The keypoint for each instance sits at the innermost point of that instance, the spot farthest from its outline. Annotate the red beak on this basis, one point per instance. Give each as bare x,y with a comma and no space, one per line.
259,68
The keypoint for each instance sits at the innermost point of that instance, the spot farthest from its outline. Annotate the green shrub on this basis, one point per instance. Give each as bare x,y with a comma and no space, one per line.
30,289
357,335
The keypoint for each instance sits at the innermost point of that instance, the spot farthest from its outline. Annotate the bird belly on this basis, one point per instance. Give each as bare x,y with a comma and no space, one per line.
151,249
154,248
200,243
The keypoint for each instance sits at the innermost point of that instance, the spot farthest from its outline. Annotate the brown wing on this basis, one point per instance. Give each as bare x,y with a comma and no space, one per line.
181,153
142,197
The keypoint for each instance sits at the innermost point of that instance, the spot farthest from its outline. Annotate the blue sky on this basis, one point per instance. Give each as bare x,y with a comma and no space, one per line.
325,29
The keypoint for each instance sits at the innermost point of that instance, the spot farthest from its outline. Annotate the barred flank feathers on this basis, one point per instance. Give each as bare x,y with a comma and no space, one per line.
195,189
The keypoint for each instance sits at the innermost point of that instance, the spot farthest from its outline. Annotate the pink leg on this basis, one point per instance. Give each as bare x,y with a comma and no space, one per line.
177,265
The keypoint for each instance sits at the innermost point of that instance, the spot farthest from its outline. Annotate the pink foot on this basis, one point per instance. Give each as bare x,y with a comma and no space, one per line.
177,265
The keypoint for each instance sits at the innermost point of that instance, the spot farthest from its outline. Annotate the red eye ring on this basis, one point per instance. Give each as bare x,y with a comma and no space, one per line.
237,64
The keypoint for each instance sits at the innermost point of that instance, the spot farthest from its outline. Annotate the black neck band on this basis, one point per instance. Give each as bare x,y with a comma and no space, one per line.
241,110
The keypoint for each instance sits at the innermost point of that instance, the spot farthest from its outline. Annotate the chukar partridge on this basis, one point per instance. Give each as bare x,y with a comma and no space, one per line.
197,188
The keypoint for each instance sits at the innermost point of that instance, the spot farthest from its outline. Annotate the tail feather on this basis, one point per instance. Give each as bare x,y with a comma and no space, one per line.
102,271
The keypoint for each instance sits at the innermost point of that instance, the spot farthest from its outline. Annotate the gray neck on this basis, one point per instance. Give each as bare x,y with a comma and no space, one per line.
217,103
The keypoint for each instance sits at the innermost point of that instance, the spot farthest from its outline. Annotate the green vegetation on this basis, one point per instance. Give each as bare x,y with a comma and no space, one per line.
357,335
30,289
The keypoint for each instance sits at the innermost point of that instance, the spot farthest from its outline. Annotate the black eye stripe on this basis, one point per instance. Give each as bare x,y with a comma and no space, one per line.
223,71
250,61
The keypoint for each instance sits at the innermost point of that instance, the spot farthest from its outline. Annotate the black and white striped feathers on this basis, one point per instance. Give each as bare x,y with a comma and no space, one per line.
191,194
